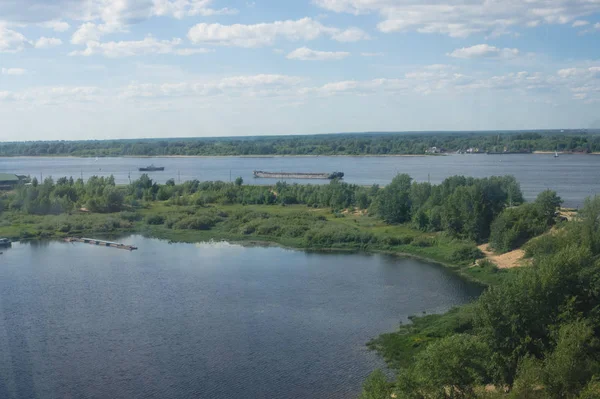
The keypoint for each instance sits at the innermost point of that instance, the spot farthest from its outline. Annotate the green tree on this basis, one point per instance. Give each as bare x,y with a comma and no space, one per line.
239,181
376,386
451,367
572,363
548,202
394,200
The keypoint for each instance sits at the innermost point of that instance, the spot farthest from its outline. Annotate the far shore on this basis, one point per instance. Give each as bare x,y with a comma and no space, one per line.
287,156
223,156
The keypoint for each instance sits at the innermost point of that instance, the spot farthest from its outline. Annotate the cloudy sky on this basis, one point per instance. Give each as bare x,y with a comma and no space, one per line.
79,69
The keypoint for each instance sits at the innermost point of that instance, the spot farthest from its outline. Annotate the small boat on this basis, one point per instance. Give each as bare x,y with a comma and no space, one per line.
5,243
152,168
555,154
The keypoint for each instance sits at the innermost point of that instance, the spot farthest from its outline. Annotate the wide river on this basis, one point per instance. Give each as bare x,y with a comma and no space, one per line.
210,320
574,177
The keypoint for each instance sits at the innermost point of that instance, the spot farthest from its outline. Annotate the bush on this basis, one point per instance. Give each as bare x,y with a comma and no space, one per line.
202,222
329,236
423,242
130,216
465,253
392,241
155,219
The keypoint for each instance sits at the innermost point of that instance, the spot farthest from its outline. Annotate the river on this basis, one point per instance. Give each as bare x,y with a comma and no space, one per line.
211,320
574,177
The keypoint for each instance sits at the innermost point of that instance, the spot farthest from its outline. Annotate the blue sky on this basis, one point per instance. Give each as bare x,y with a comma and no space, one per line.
96,69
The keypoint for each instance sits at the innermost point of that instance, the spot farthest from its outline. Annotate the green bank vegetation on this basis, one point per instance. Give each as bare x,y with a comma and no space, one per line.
531,335
328,144
441,222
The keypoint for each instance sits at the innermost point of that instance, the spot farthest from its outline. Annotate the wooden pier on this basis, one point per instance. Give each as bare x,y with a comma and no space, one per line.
102,243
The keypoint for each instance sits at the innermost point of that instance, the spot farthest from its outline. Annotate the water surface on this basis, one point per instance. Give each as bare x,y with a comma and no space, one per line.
574,177
202,321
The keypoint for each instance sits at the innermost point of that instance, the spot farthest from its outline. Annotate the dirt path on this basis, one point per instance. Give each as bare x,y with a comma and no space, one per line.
504,261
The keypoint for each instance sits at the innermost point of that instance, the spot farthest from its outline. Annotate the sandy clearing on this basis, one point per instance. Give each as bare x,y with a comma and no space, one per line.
505,261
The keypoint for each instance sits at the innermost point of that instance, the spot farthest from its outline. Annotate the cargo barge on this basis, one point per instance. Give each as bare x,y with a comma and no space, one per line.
297,175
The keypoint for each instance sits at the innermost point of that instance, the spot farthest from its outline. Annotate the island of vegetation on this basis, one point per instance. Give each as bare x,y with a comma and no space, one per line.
532,334
375,144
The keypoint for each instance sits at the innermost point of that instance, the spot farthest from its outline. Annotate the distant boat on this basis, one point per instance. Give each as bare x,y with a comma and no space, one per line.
555,154
5,242
152,168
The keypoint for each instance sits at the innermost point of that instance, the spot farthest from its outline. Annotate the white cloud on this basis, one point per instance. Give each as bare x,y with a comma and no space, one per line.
251,86
372,54
306,54
13,71
568,72
57,26
459,18
149,45
582,72
265,34
11,41
437,67
54,95
579,23
91,32
484,51
47,42
182,8
192,51
350,35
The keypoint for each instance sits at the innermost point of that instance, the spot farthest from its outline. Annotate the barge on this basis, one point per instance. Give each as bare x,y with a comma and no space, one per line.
152,168
298,175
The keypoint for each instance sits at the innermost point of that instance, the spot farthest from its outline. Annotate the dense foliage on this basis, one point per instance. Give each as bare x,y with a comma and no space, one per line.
534,335
98,194
331,144
462,207
515,226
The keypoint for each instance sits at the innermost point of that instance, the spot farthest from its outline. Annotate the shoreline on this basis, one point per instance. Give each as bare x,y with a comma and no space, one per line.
266,242
223,156
540,152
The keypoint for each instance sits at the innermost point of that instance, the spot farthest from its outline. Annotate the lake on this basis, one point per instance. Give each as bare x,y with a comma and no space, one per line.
211,320
574,177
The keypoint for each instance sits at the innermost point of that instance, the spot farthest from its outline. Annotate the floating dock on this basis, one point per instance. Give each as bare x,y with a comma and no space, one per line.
101,243
298,175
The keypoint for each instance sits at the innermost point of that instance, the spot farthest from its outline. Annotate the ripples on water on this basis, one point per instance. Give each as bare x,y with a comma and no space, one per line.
202,321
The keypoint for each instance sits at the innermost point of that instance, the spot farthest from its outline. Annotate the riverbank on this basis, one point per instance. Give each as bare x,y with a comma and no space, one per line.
225,156
283,226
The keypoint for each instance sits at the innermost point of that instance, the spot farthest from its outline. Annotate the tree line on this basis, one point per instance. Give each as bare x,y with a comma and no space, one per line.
332,144
462,207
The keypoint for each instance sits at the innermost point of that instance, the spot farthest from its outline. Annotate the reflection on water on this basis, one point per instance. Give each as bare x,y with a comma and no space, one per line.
211,320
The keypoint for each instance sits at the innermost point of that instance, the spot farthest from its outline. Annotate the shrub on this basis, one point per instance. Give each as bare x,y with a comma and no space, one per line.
202,222
465,253
423,242
130,216
155,219
393,241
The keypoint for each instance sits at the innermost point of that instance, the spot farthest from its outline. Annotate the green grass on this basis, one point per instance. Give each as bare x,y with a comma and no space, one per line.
399,348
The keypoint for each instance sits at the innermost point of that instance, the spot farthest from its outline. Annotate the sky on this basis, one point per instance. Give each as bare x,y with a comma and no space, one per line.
106,69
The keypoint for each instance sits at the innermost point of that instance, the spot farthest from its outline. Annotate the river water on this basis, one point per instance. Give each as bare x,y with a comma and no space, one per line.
210,320
574,177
